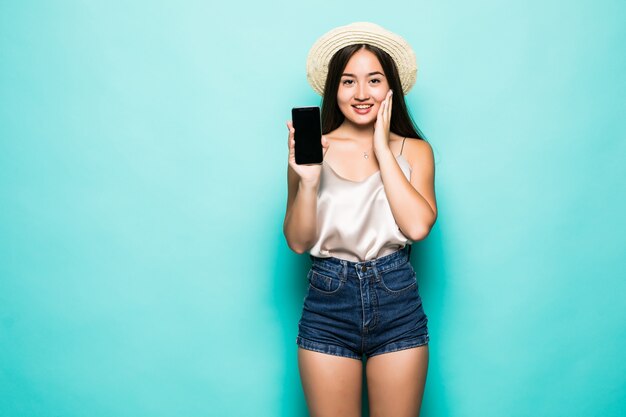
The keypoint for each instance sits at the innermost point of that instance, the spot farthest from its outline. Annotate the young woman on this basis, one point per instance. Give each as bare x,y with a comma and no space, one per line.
357,214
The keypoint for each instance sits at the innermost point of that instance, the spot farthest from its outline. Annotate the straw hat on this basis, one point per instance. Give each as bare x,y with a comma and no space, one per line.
355,33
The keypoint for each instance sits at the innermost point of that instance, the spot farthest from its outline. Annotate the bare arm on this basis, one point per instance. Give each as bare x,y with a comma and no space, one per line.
412,203
300,224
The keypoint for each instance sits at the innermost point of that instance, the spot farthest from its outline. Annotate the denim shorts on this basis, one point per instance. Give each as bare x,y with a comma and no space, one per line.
366,308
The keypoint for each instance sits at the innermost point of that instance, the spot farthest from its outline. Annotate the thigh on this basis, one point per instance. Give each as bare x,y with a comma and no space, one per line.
332,384
395,382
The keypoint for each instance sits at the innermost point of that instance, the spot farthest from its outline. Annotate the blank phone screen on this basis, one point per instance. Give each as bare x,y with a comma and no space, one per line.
308,135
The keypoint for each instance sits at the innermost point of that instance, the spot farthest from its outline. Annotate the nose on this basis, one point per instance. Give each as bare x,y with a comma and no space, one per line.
361,94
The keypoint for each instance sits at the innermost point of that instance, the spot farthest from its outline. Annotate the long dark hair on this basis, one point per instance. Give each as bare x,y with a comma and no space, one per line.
401,122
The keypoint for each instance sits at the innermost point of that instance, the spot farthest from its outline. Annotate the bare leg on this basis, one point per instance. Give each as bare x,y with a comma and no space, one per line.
395,382
332,384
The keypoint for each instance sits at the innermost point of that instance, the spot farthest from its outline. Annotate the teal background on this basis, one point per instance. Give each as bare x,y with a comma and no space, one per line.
143,160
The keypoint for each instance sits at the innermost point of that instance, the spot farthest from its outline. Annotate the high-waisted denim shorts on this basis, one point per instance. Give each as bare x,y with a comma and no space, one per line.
366,308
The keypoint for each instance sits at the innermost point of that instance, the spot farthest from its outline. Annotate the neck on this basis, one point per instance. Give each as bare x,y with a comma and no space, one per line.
360,133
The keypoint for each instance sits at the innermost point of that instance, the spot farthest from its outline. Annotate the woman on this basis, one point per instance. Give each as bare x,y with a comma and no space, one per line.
357,214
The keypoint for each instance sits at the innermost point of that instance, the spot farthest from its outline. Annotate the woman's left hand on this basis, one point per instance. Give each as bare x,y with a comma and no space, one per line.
383,121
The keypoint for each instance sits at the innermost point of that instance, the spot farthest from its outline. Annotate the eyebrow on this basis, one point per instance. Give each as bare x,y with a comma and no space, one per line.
369,75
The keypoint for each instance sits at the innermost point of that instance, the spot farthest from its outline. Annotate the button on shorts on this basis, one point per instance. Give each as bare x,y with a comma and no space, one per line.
357,309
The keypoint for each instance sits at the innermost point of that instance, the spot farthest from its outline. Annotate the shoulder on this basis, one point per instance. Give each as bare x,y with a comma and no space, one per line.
418,153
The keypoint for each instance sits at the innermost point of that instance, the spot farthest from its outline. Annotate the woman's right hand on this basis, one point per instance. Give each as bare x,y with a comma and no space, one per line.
307,173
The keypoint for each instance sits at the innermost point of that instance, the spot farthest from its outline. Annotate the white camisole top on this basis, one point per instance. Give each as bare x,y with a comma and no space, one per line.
354,219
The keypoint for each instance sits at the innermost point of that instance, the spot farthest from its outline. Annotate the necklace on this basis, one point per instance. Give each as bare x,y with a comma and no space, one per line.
365,155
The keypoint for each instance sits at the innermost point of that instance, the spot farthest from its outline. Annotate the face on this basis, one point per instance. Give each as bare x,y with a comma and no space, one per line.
363,83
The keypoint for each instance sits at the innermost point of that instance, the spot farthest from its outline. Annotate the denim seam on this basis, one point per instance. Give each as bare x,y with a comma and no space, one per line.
380,279
396,292
323,272
309,346
403,347
325,292
388,261
393,266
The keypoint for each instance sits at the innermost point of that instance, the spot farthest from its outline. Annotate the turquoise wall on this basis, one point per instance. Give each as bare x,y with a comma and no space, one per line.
143,160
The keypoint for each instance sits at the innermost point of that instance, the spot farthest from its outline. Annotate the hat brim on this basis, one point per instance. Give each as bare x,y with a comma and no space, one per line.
328,44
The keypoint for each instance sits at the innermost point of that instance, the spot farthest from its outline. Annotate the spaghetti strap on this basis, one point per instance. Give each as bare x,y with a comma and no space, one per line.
401,149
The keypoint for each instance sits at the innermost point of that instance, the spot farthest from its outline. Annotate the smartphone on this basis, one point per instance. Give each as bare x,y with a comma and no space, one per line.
308,136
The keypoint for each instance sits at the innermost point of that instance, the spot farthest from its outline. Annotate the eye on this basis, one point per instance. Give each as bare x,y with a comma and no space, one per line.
346,81
375,80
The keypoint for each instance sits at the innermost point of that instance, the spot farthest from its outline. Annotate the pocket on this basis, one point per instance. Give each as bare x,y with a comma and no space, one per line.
324,283
399,279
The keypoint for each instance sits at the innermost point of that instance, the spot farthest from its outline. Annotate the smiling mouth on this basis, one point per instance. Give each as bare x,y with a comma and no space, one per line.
362,106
